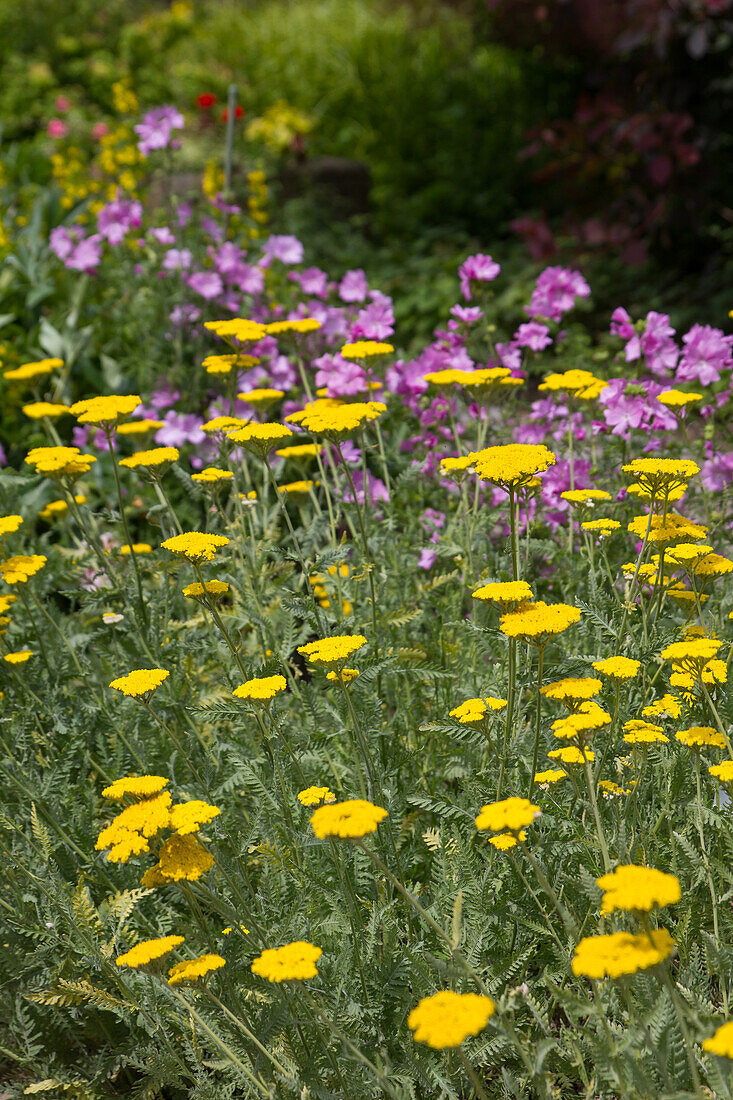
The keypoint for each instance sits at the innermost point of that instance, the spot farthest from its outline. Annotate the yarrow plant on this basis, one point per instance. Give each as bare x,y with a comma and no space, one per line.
366,715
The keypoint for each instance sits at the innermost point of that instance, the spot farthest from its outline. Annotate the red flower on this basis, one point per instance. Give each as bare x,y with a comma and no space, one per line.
206,100
238,113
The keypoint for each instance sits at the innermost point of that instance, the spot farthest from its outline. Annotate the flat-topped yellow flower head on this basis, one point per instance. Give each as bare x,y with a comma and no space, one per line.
658,476
330,652
295,962
141,682
621,953
505,594
261,689
136,786
238,328
152,459
190,970
637,889
365,349
537,623
197,546
445,1019
260,439
149,951
38,409
509,815
348,820
26,372
59,462
18,569
721,1043
105,411
514,465
618,668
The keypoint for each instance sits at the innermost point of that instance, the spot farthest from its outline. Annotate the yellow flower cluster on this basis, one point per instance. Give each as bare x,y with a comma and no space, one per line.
59,462
197,546
140,682
618,668
142,786
447,1018
637,889
190,970
572,690
514,465
621,953
349,820
261,689
311,796
291,963
510,814
237,329
332,651
721,1043
474,710
105,410
538,622
658,476
260,439
149,951
365,349
505,594
698,737
578,383
337,421
18,569
147,460
214,590
26,372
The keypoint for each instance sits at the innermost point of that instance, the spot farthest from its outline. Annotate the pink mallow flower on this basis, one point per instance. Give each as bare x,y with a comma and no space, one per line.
555,292
476,269
156,129
286,249
353,287
57,128
117,218
707,353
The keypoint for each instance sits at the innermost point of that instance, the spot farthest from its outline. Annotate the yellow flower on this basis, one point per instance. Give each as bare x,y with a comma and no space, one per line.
552,775
139,427
224,364
138,786
572,689
332,651
212,474
365,349
713,565
721,1043
674,528
19,657
666,707
336,422
504,841
572,755
447,1018
618,668
223,424
692,655
589,716
601,526
26,371
188,817
300,450
59,461
38,409
105,410
141,681
261,396
514,465
579,383
659,475
149,951
215,590
456,467
677,399
723,772
511,814
192,969
9,525
147,460
260,439
538,622
474,710
637,889
506,594
701,737
130,832
293,962
621,953
182,858
580,497
237,329
136,548
301,325
197,546
344,675
261,688
311,796
18,569
351,819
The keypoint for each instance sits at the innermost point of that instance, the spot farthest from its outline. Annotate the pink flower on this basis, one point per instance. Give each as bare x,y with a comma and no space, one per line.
61,103
57,128
288,250
467,314
375,321
533,335
341,377
117,218
99,129
312,281
206,283
476,269
156,129
555,292
353,287
163,235
707,353
177,259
